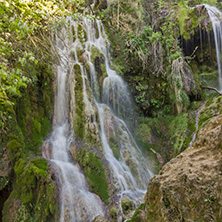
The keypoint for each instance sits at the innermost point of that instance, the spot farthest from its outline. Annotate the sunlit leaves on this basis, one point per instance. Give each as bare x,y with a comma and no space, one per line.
24,27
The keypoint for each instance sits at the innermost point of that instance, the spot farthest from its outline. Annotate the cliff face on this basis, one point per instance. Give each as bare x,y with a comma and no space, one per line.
188,188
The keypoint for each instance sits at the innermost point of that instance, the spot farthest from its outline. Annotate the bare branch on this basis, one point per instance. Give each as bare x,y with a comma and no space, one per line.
211,88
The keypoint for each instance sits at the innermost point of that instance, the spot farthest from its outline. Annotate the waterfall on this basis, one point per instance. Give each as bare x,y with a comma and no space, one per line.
216,18
113,108
77,204
84,73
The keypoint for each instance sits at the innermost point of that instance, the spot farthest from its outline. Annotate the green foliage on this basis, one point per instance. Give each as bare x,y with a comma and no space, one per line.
172,133
24,43
140,41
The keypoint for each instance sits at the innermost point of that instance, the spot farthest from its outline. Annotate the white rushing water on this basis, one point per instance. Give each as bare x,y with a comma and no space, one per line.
216,19
111,101
77,204
130,171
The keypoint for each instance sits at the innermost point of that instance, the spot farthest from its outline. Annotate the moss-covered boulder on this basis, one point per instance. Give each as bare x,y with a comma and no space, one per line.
84,115
98,59
35,192
95,173
213,108
28,124
127,205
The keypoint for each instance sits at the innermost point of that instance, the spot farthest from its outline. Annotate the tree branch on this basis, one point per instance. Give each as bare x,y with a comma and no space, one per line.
211,88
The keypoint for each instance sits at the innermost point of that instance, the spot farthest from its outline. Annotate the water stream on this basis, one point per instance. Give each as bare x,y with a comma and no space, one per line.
104,96
216,19
202,107
77,204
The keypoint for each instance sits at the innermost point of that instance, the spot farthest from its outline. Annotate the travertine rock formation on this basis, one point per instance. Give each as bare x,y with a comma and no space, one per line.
189,187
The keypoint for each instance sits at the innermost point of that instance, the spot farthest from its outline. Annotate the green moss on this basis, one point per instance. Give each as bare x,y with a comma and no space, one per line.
80,51
143,133
34,123
79,118
182,20
99,60
127,206
81,33
40,163
171,131
22,107
190,130
95,174
114,143
115,148
213,107
35,189
40,128
14,145
96,53
135,217
113,214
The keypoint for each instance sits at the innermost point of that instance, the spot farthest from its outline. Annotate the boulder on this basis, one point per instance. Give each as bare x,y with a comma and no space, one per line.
189,187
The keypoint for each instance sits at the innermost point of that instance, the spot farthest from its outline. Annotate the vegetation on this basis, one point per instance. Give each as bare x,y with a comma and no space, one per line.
26,102
148,52
35,189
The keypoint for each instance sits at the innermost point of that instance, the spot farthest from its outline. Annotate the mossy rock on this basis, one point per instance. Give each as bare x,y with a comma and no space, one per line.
79,118
36,191
213,108
14,145
34,122
127,205
81,33
114,143
113,214
136,216
95,173
98,59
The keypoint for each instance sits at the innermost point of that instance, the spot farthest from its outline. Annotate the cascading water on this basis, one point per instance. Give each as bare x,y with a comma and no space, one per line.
76,202
129,168
202,107
106,102
216,19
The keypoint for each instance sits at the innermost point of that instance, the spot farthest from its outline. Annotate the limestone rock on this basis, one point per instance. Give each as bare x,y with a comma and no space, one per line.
100,219
189,187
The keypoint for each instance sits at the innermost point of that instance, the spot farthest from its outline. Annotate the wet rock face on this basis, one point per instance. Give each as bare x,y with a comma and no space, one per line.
100,219
189,187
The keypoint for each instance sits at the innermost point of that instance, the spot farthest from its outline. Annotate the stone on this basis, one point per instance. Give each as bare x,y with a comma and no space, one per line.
189,187
100,219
